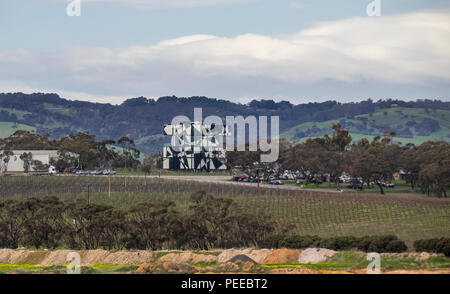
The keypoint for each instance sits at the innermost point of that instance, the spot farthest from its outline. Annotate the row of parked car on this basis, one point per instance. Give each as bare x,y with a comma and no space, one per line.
247,179
360,185
352,183
101,172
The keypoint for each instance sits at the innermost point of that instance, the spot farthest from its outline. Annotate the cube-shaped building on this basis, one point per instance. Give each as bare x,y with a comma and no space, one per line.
195,146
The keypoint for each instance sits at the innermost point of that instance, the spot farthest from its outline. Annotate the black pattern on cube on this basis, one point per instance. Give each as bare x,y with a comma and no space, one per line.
195,146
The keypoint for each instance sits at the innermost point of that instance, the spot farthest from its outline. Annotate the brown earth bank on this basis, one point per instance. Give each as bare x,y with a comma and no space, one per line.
248,260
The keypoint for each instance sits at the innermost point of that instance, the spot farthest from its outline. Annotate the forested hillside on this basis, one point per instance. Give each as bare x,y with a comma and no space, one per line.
141,119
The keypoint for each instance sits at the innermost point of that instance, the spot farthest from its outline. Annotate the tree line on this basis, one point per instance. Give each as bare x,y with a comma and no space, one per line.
80,150
208,222
375,162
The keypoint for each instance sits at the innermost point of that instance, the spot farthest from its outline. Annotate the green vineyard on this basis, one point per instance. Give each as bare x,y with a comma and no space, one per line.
295,212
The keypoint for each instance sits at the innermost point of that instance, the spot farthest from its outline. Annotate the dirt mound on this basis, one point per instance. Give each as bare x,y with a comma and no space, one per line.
161,267
282,256
144,268
11,256
422,256
306,271
315,255
188,258
58,257
132,257
283,271
227,267
241,258
257,255
91,257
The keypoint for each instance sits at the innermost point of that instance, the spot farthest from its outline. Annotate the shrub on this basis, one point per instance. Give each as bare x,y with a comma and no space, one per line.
339,243
377,243
387,243
441,245
427,245
271,242
446,249
364,243
396,246
299,242
292,242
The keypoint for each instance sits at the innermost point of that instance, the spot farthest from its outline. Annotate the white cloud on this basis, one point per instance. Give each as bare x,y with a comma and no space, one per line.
408,49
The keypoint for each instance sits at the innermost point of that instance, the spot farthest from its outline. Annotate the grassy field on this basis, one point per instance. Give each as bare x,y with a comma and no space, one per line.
299,212
8,128
388,121
401,187
353,260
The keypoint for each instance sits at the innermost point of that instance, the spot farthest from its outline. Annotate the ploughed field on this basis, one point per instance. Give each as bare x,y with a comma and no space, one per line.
295,211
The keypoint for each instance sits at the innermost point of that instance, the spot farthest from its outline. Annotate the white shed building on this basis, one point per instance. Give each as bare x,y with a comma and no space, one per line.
15,164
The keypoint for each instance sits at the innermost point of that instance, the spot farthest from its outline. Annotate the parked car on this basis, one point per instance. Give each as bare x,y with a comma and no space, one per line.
243,178
345,178
52,170
275,182
388,185
300,181
355,186
109,172
317,181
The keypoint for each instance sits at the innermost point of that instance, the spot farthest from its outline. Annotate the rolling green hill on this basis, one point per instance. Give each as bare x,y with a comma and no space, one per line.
412,125
142,119
8,128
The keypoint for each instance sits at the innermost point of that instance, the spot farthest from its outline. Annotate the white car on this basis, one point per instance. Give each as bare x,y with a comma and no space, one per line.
52,170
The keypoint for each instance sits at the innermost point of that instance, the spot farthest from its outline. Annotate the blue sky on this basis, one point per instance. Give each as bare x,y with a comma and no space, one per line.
227,49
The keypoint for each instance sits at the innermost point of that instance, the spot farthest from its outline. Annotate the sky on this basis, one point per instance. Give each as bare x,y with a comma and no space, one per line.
295,50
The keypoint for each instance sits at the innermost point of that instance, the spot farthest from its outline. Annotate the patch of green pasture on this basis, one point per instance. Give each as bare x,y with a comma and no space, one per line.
8,128
111,268
317,266
206,264
30,268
